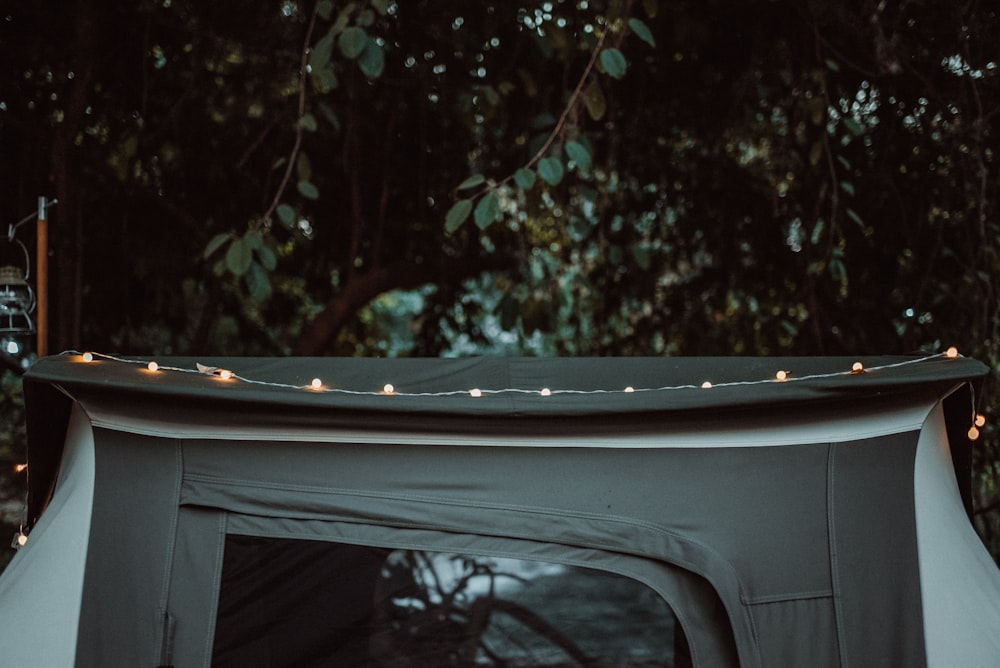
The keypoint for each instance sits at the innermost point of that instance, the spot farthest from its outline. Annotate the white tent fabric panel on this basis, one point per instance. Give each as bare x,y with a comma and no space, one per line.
959,582
41,590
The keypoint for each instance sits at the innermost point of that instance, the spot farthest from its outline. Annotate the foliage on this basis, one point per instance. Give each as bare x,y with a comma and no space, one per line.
548,177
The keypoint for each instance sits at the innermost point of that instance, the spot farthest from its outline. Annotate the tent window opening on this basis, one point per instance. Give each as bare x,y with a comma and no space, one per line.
303,603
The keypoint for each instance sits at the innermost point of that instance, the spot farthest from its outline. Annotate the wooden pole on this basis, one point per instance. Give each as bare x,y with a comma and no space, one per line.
42,280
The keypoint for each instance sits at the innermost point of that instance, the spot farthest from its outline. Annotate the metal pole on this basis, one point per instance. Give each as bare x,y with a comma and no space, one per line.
42,280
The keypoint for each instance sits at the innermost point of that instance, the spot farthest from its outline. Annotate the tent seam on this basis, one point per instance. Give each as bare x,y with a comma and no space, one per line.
783,598
220,547
834,566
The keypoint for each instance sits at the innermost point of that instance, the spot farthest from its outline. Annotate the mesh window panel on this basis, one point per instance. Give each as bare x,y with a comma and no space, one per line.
308,603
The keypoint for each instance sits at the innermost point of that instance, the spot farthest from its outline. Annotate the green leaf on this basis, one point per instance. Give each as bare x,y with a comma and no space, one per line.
381,6
853,126
542,121
286,214
832,64
254,239
342,20
308,122
457,214
319,57
238,257
853,215
613,62
472,181
303,166
257,282
215,244
524,178
817,232
308,190
642,31
551,170
324,80
487,211
352,42
593,98
366,18
847,187
372,60
267,257
328,114
325,9
579,154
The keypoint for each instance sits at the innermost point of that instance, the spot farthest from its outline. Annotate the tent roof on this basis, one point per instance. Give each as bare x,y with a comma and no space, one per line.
434,391
432,385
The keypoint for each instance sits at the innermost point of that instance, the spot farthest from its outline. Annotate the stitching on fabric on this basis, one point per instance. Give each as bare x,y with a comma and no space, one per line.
220,547
172,535
838,613
782,598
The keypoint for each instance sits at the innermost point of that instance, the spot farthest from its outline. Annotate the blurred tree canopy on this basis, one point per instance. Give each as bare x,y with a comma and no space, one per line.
585,177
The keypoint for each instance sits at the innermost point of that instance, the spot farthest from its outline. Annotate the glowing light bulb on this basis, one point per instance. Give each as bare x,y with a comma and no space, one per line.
153,366
951,353
857,367
316,384
22,539
225,374
475,392
973,433
706,385
546,392
87,357
980,420
629,389
781,376
388,389
20,467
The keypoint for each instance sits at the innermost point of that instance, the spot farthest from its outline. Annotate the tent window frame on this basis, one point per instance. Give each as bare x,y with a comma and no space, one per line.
695,604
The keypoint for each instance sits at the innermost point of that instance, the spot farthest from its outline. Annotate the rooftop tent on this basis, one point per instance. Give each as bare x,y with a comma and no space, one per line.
554,512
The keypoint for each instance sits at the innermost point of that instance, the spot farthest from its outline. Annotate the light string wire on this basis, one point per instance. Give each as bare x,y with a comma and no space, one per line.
951,353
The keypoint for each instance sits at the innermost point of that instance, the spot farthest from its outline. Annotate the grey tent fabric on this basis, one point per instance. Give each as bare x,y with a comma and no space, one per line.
777,517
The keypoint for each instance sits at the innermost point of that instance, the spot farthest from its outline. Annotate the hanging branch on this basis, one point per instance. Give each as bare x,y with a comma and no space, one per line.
293,155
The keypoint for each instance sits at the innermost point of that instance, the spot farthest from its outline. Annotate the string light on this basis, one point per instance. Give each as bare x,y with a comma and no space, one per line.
980,420
388,389
20,468
20,539
951,353
973,433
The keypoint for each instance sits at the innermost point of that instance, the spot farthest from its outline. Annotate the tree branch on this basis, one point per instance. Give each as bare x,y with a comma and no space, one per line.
363,287
303,72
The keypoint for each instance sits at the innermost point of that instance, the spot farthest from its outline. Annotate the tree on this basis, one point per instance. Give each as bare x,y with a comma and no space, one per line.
551,177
